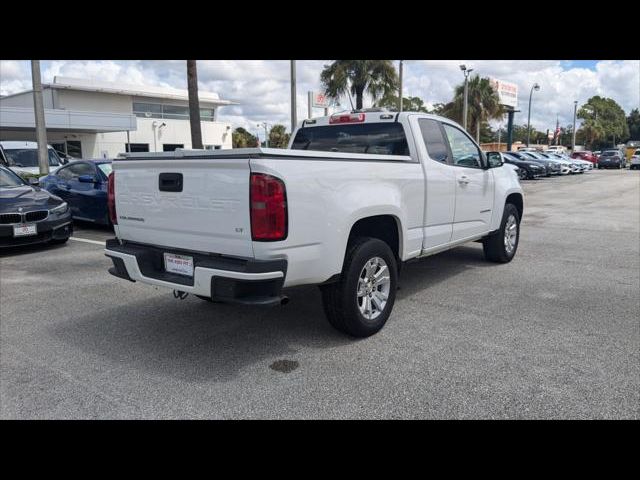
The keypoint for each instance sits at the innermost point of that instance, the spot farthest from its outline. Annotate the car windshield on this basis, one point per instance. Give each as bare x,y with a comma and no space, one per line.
106,168
608,154
8,179
28,157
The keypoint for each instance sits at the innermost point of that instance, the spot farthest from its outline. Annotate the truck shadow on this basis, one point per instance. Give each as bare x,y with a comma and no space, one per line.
198,341
419,275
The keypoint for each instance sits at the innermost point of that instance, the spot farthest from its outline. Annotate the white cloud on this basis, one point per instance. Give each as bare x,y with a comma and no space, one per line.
263,90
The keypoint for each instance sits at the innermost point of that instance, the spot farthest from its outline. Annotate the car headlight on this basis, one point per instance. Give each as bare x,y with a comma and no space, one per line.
62,208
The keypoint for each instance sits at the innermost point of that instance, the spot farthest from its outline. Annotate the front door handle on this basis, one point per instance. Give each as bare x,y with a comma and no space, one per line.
463,180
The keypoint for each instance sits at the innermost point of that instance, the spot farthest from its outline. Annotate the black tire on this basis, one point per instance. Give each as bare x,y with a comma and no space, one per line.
340,299
495,249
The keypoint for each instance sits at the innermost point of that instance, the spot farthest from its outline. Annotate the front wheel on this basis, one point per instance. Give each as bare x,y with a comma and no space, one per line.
360,303
501,247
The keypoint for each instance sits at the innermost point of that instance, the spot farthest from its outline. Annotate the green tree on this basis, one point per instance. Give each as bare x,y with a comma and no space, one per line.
591,132
278,137
633,124
483,104
409,104
488,135
375,77
604,120
241,138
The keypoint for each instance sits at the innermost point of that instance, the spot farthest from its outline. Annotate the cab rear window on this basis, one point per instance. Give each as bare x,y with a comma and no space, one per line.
374,138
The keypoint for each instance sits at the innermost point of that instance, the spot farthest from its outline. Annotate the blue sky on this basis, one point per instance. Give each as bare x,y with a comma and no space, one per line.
262,86
590,64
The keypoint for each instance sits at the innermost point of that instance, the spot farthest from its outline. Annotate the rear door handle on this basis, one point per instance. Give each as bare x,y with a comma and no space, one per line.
463,180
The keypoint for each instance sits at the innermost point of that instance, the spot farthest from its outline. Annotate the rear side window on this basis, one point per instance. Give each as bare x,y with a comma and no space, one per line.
375,138
76,169
434,140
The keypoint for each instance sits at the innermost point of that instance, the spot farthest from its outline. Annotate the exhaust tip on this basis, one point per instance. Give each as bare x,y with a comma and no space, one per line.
284,300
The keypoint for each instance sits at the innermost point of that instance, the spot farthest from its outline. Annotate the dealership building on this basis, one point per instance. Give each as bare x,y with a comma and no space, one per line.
92,119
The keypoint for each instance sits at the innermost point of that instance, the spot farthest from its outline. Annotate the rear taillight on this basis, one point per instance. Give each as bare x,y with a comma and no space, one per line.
268,200
347,118
111,198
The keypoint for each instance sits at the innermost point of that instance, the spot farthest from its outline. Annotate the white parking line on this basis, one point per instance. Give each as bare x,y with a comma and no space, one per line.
96,242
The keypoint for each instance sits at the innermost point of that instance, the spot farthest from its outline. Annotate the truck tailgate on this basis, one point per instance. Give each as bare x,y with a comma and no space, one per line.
188,204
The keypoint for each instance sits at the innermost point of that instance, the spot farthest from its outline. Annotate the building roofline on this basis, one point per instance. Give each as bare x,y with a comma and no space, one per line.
63,83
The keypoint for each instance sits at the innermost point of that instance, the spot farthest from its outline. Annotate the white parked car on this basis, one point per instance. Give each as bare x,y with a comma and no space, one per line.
556,149
635,161
584,164
22,157
354,196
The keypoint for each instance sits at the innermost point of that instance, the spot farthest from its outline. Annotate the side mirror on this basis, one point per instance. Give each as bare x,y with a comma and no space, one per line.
87,179
494,159
33,181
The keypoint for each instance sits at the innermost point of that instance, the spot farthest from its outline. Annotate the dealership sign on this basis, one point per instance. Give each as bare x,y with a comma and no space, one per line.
319,100
508,92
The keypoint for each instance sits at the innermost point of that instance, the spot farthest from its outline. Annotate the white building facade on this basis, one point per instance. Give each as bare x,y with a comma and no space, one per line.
92,119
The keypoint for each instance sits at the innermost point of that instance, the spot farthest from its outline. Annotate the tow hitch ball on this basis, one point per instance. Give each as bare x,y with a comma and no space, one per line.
180,294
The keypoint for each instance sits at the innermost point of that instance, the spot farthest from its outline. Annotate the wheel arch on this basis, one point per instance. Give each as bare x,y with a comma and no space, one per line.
385,227
516,200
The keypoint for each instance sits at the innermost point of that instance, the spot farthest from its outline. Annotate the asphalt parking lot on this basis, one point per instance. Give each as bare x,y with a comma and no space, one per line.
553,334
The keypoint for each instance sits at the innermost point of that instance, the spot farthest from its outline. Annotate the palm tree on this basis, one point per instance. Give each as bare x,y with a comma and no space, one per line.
194,104
375,77
592,131
483,104
278,137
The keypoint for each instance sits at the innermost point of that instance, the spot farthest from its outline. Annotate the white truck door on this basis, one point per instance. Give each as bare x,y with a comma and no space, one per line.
474,186
439,182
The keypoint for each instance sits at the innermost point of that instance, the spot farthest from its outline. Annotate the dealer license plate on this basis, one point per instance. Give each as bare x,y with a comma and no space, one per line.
24,230
180,264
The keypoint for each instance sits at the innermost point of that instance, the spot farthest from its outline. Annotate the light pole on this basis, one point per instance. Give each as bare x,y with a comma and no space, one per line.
38,110
266,136
294,107
466,71
400,89
535,87
573,140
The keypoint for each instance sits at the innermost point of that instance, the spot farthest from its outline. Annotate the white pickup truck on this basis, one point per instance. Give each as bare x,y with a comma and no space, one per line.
353,197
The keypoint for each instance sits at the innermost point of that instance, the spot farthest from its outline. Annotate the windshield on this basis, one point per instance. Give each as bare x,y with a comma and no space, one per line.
106,168
9,179
609,154
376,138
28,157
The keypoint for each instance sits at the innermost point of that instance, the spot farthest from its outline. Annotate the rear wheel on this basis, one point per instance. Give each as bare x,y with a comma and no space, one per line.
360,303
501,247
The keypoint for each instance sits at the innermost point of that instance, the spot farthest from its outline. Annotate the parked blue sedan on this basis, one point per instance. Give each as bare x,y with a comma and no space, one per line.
83,185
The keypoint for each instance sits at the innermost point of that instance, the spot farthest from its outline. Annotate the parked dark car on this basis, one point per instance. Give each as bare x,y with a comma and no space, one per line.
83,185
551,168
529,170
29,214
611,159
